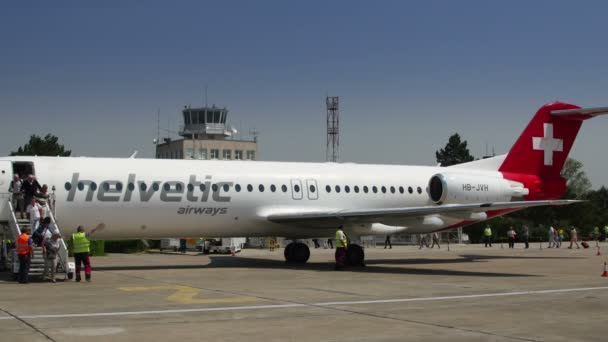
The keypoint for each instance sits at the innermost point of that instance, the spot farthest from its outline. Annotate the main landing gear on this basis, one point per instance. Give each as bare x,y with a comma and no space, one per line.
355,256
297,253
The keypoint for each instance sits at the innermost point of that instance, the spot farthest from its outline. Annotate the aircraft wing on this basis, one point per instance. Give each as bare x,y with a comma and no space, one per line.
333,218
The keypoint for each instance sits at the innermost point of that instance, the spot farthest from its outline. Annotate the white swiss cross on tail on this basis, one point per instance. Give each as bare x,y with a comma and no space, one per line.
548,144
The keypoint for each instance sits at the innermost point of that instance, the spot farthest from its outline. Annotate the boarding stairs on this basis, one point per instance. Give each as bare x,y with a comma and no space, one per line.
12,230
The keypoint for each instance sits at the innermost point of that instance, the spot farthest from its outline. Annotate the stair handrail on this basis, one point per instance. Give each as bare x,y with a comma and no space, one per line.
12,219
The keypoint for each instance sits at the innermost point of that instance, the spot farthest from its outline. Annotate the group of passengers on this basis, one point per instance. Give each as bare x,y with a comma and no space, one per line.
28,196
44,234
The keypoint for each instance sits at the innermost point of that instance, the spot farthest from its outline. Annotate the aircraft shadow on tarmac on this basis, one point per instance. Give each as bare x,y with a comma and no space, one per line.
373,266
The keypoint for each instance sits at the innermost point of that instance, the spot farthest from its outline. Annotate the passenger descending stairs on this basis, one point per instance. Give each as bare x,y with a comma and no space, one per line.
64,267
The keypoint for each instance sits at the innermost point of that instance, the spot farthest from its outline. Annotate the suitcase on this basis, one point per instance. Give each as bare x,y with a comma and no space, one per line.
585,244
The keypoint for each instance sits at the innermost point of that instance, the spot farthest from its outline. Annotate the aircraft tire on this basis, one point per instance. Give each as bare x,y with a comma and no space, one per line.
355,256
297,253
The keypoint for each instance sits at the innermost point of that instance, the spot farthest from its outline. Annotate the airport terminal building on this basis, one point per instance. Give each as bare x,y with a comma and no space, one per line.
205,135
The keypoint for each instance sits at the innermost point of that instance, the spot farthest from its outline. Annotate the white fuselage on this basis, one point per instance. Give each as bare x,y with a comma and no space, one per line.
157,198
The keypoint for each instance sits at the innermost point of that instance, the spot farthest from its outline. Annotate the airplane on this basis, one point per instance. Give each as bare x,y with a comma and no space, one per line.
160,198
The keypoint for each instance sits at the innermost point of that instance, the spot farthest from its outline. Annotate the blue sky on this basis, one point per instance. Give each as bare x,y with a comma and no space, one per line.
408,73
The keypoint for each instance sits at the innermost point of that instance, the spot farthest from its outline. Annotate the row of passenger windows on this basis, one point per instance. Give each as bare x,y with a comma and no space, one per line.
237,187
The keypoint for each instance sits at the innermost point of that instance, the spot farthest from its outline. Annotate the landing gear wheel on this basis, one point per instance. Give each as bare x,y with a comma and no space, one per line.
297,253
355,256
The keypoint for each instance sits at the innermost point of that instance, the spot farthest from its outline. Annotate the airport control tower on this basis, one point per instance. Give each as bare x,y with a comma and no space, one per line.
205,135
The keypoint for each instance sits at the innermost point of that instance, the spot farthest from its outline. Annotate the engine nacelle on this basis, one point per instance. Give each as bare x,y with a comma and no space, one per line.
445,188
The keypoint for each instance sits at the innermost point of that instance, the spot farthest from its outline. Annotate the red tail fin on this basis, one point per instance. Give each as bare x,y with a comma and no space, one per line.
537,157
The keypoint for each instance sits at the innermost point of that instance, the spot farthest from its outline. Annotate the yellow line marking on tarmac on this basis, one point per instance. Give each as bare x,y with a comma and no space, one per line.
187,294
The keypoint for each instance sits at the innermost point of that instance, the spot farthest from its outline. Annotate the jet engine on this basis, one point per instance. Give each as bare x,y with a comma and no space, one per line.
446,188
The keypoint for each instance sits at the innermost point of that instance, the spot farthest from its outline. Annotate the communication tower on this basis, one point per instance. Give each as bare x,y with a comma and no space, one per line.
333,128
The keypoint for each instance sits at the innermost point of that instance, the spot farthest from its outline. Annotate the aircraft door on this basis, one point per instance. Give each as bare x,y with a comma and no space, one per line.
297,193
312,189
6,175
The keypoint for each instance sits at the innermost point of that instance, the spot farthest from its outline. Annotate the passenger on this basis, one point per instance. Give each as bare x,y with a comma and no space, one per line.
81,242
421,241
388,243
512,236
330,243
552,242
34,211
43,195
50,248
574,238
16,188
44,231
525,235
487,236
561,235
341,246
316,242
30,188
558,243
25,253
435,237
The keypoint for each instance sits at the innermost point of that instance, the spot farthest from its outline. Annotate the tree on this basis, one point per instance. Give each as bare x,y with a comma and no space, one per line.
455,152
38,146
577,182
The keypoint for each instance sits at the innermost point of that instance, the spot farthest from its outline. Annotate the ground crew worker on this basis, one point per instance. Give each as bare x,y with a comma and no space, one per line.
81,242
341,245
25,253
605,234
487,236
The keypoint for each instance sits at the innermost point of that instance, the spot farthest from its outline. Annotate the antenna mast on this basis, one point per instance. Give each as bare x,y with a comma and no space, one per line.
333,129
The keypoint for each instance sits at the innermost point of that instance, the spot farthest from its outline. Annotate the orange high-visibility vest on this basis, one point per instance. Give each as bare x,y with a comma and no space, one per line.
23,246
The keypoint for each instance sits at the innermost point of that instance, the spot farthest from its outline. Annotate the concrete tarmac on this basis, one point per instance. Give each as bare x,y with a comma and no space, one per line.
469,293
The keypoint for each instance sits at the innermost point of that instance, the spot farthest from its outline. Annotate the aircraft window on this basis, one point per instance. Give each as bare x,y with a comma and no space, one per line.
409,189
202,187
392,189
383,189
273,188
327,188
261,188
119,186
105,186
374,189
312,188
143,186
131,186
347,188
337,188
284,188
296,188
214,187
401,190
155,186
80,186
419,190
166,186
237,188
190,187
93,186
249,187
68,186
226,187
365,189
356,188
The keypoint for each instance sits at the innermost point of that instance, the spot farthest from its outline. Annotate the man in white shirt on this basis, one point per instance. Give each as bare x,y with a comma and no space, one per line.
34,211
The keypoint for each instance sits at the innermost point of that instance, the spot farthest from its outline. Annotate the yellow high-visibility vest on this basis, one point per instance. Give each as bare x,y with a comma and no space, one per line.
81,243
339,243
487,231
